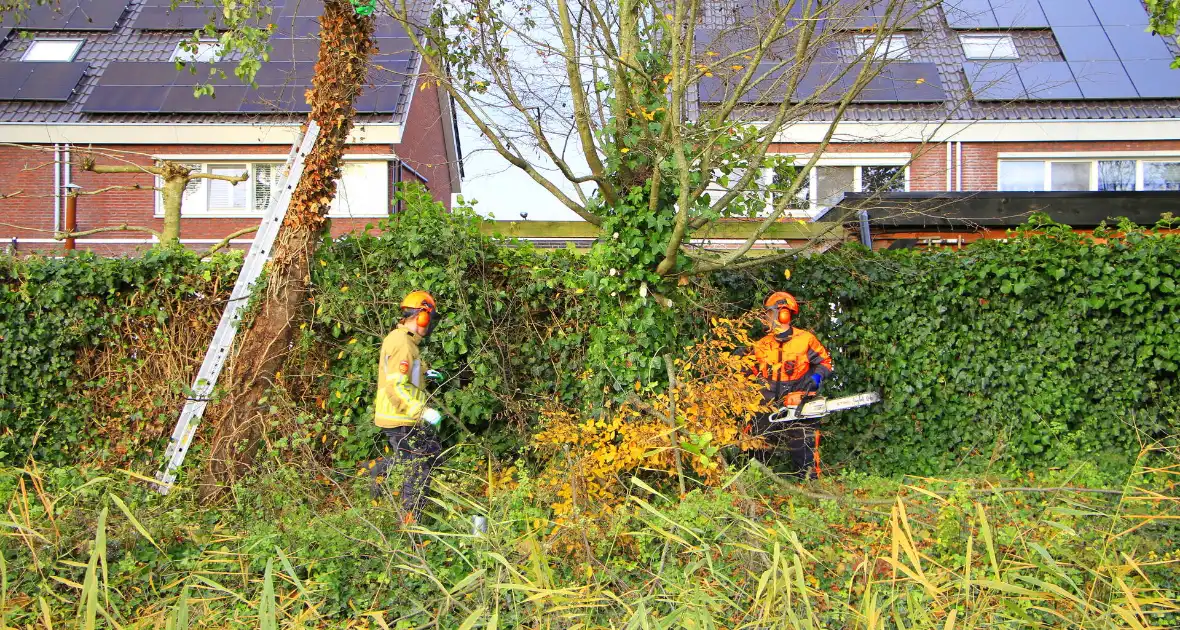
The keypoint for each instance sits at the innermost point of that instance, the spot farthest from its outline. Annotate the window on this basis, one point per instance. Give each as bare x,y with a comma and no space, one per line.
1161,176
828,183
362,191
989,46
894,48
1116,175
1105,175
52,50
207,50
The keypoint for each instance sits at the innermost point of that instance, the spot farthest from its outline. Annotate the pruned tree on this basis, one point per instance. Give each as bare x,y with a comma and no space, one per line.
654,119
175,178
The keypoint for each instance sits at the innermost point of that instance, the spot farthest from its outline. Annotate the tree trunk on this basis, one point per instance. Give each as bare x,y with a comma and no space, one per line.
172,194
340,73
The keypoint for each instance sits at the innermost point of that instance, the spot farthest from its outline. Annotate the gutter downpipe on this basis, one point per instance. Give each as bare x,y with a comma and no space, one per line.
949,166
959,167
56,188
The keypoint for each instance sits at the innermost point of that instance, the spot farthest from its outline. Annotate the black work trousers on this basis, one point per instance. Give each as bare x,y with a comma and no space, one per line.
797,438
415,453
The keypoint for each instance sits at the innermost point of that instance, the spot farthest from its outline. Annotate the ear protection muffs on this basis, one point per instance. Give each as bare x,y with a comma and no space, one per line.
784,315
423,318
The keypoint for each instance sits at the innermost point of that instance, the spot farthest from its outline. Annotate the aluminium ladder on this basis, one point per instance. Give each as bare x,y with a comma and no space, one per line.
223,339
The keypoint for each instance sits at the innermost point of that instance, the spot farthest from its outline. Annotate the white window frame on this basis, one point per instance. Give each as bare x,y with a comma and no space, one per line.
855,160
1139,158
208,51
205,162
1000,41
893,48
51,40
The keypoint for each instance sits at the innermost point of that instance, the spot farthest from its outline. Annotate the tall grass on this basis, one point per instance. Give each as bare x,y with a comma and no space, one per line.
928,554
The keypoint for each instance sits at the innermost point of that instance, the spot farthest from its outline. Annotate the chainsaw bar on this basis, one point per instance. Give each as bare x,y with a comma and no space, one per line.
820,407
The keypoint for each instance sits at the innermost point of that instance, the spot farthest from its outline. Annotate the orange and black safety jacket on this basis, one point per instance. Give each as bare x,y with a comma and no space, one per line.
785,362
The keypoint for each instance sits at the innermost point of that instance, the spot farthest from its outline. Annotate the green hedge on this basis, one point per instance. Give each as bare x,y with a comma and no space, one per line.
50,308
1006,355
1028,353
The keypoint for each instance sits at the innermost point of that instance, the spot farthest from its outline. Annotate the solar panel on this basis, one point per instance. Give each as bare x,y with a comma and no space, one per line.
225,99
275,99
1069,13
916,82
1018,14
399,64
12,77
389,47
285,74
815,83
1048,80
86,15
309,8
1133,43
306,49
1103,79
125,99
139,73
1125,13
379,100
1084,43
182,18
879,89
96,15
51,82
970,14
994,81
1153,78
297,27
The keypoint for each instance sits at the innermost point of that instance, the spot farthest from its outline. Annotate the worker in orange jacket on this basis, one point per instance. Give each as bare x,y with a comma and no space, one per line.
401,411
792,364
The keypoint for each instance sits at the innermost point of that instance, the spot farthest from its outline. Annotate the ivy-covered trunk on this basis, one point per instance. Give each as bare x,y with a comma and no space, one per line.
340,73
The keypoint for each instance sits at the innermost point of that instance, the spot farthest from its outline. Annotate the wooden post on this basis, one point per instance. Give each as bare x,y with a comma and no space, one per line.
71,216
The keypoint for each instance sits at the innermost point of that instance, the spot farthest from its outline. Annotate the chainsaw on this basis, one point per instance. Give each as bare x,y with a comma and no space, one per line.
818,407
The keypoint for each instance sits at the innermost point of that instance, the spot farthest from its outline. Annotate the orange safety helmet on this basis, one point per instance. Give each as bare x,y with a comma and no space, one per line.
422,304
785,305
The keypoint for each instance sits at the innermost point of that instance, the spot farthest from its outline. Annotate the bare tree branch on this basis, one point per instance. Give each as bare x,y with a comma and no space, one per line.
225,241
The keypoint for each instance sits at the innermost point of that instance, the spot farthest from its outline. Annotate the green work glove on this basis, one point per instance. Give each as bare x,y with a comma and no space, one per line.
435,375
432,417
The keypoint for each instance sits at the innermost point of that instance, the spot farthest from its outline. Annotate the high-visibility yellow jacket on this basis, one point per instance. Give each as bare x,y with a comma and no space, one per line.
401,393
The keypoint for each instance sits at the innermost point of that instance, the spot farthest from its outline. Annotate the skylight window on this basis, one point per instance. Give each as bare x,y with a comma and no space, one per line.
989,46
52,50
894,48
207,50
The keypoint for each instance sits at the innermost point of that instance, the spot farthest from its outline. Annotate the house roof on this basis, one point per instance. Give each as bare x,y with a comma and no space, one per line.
1076,60
123,73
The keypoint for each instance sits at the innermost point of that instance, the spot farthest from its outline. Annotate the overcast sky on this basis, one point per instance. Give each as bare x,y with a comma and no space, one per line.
502,190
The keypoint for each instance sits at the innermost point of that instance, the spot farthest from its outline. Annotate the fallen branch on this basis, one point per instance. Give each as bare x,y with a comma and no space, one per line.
225,241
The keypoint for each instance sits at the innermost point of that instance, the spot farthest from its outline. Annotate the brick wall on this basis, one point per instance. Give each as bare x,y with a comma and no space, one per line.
423,145
28,216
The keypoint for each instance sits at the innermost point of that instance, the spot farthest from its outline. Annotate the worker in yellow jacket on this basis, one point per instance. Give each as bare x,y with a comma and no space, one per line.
401,411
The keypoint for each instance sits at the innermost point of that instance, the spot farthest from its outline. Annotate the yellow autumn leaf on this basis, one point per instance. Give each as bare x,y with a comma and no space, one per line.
352,341
624,150
710,53
920,81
